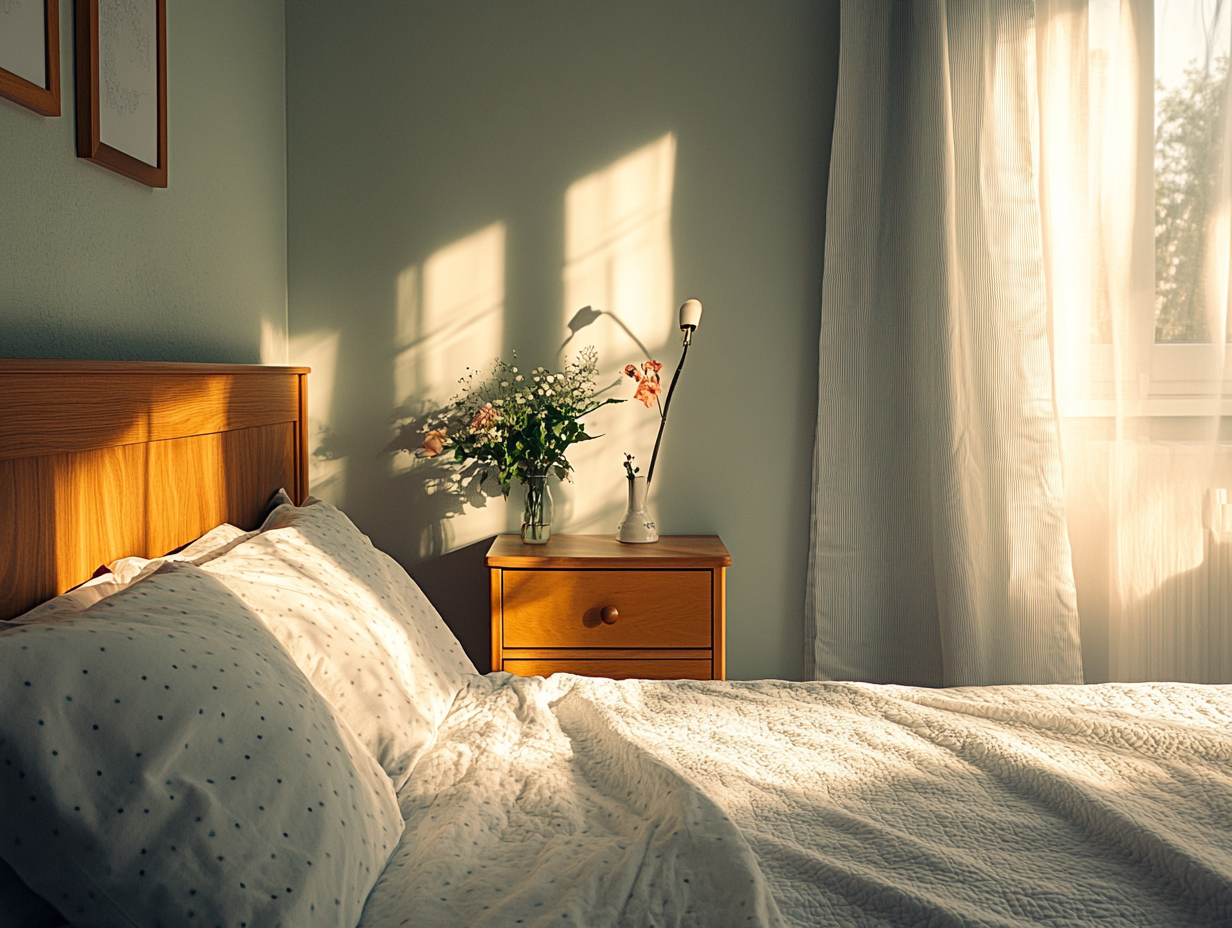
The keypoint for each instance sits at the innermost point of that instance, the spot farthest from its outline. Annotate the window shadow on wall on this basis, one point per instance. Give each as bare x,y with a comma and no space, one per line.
451,321
618,262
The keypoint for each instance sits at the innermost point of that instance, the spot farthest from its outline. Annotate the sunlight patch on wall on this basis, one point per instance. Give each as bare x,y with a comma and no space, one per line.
326,471
274,348
450,317
618,248
618,259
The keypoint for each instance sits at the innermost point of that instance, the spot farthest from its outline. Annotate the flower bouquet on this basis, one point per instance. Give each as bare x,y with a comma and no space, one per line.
517,427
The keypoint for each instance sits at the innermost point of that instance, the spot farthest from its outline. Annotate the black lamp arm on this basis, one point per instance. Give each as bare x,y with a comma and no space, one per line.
667,404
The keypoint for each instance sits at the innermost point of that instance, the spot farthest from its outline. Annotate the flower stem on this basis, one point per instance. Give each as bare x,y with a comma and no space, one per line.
667,404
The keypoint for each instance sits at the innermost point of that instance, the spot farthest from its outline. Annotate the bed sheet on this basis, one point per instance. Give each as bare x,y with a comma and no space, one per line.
596,802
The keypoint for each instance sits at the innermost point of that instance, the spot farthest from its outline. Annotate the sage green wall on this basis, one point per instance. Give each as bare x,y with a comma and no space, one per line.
413,126
93,265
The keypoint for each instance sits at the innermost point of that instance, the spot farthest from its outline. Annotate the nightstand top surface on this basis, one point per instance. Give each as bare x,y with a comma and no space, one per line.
604,551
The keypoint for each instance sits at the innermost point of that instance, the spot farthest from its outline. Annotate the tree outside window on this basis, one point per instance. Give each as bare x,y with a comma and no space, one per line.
1189,123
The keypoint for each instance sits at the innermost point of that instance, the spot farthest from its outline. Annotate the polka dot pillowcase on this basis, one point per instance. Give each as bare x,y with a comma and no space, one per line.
164,762
358,626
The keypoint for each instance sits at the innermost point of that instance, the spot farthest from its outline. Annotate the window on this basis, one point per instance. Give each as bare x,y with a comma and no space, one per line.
1191,77
1157,88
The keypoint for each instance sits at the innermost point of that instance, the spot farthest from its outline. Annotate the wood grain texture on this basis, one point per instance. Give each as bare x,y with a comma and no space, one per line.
547,603
616,670
495,578
187,495
50,414
301,441
219,403
27,573
255,458
607,654
202,481
568,551
65,366
560,608
70,412
98,498
83,481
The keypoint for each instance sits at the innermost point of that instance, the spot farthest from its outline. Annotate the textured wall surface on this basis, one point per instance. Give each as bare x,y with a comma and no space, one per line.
464,175
93,265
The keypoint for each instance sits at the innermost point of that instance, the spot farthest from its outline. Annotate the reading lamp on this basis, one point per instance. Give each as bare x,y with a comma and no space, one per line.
690,319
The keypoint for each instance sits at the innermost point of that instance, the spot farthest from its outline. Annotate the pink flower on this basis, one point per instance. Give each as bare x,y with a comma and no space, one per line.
434,443
632,371
483,418
647,390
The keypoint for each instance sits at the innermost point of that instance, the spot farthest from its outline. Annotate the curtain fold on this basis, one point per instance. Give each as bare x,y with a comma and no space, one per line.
939,553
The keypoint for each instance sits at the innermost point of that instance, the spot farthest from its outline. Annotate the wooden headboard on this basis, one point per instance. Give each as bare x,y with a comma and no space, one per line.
101,460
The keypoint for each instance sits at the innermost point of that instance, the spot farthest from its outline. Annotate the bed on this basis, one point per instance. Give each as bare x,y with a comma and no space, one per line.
181,784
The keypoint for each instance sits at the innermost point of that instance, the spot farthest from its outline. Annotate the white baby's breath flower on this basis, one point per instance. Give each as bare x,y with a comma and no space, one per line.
521,400
504,383
519,377
549,392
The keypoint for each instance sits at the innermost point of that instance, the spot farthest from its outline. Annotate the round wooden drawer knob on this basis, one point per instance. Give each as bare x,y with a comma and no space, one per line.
609,615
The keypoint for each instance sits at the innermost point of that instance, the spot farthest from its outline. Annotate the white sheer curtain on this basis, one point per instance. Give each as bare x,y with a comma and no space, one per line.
1028,235
1137,252
939,552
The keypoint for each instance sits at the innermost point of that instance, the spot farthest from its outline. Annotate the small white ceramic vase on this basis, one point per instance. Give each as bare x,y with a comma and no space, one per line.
637,528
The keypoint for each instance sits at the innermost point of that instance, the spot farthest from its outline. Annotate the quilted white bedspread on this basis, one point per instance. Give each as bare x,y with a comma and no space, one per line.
590,802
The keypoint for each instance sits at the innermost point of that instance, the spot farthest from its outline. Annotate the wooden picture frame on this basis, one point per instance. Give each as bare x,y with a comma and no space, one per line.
129,133
43,99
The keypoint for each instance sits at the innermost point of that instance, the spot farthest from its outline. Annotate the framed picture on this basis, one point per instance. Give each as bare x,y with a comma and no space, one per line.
122,87
30,54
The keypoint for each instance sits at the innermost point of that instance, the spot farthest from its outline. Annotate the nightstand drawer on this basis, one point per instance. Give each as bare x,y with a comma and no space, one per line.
668,601
615,669
561,609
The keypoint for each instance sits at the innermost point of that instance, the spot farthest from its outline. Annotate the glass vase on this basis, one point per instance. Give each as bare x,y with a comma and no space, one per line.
537,511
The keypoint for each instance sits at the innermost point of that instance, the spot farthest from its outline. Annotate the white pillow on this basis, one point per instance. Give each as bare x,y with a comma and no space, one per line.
357,625
213,540
125,571
163,761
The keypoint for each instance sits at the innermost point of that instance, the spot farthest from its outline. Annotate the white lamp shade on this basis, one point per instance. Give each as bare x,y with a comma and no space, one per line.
690,314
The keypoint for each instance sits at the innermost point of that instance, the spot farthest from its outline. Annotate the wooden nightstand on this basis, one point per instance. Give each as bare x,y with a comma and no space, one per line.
588,604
